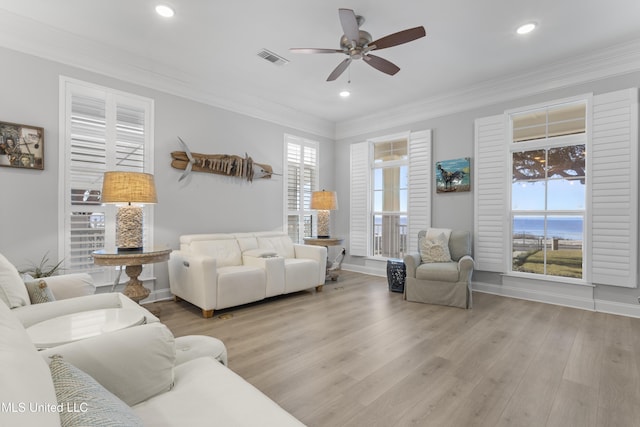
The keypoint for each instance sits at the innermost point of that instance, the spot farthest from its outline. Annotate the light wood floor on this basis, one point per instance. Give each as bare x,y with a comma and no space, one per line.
358,355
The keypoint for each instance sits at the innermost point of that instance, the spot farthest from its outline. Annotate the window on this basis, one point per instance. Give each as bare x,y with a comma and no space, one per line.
548,159
390,192
571,169
300,181
103,130
390,188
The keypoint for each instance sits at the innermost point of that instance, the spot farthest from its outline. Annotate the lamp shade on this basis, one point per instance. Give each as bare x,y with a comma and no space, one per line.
324,200
128,187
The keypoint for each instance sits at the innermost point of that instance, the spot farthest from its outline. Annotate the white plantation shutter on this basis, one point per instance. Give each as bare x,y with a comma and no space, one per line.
103,130
360,218
300,181
490,197
614,189
419,203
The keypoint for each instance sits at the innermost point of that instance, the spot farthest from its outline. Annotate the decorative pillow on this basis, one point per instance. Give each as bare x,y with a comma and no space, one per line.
84,401
435,250
39,292
12,289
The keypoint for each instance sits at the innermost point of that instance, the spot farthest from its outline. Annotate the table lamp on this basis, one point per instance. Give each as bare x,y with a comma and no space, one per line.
128,187
323,202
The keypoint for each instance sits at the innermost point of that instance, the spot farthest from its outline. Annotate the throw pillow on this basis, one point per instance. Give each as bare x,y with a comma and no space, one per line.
435,250
84,402
12,289
39,292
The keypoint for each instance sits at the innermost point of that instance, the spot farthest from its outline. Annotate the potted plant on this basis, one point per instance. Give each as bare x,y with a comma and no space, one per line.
42,269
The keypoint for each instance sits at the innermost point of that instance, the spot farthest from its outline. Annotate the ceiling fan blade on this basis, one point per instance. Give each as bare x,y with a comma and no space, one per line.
314,50
399,38
381,64
339,70
349,25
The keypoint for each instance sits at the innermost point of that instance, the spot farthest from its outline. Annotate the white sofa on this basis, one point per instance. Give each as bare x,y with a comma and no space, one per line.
215,271
137,368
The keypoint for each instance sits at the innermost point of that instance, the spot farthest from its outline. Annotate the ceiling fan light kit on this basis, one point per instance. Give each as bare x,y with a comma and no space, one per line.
357,43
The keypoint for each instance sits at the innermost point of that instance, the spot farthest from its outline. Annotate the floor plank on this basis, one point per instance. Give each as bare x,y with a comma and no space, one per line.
359,355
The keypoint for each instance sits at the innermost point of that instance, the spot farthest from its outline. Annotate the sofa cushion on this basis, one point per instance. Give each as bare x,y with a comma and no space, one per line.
226,251
435,249
440,271
84,402
247,241
108,359
12,289
280,243
39,292
208,393
24,376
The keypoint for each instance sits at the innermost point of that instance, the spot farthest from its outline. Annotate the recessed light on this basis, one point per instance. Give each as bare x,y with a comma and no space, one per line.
345,93
526,28
164,10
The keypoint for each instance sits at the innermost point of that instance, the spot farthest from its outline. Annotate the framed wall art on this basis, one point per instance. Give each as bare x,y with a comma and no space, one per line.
453,175
21,146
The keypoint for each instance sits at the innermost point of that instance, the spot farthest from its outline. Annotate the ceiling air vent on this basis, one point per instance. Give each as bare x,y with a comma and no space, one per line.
272,57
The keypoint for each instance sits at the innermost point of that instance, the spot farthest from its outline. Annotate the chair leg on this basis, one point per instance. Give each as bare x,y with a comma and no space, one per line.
319,288
207,313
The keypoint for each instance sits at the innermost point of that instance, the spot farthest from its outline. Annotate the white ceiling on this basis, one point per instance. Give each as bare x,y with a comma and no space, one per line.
209,49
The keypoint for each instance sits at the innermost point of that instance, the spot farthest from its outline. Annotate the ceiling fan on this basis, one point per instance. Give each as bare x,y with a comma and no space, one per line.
356,44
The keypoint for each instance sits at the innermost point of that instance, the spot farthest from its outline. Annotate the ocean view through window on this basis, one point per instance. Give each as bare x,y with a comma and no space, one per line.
548,196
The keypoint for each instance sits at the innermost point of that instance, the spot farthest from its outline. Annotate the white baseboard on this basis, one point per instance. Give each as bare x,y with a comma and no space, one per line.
371,270
158,295
603,306
619,308
535,295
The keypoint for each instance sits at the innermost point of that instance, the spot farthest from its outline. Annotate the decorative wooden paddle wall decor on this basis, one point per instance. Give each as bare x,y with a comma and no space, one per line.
221,164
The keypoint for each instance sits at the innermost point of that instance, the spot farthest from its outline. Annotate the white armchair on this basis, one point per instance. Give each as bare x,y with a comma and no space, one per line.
73,293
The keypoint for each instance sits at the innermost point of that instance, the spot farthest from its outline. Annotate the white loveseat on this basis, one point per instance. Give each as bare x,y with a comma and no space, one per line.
215,271
138,383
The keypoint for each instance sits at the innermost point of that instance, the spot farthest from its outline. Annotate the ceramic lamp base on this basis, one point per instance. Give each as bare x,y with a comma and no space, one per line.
323,224
129,228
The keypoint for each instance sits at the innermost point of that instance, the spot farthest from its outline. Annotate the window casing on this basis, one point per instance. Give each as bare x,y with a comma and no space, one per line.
610,229
548,191
409,166
301,158
101,130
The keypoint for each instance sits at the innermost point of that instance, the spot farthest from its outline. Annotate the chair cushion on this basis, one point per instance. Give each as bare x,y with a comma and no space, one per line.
12,289
435,249
440,271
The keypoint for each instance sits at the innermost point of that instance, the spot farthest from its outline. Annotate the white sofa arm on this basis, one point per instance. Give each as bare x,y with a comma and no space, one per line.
317,253
70,285
194,278
34,313
134,364
273,267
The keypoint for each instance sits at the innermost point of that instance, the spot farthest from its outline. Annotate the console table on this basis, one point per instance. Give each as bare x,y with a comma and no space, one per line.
333,271
133,260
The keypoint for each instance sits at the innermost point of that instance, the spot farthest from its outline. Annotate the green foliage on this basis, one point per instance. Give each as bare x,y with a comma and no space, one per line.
42,269
564,263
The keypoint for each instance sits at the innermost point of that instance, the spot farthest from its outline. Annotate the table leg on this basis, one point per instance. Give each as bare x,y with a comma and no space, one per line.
134,288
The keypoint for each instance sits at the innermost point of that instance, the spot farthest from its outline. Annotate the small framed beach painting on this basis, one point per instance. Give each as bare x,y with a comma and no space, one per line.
21,146
453,176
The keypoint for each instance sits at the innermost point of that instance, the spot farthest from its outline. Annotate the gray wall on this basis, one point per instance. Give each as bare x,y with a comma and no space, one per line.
453,138
202,203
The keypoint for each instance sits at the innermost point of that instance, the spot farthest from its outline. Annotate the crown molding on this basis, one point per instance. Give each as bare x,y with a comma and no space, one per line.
28,36
613,61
